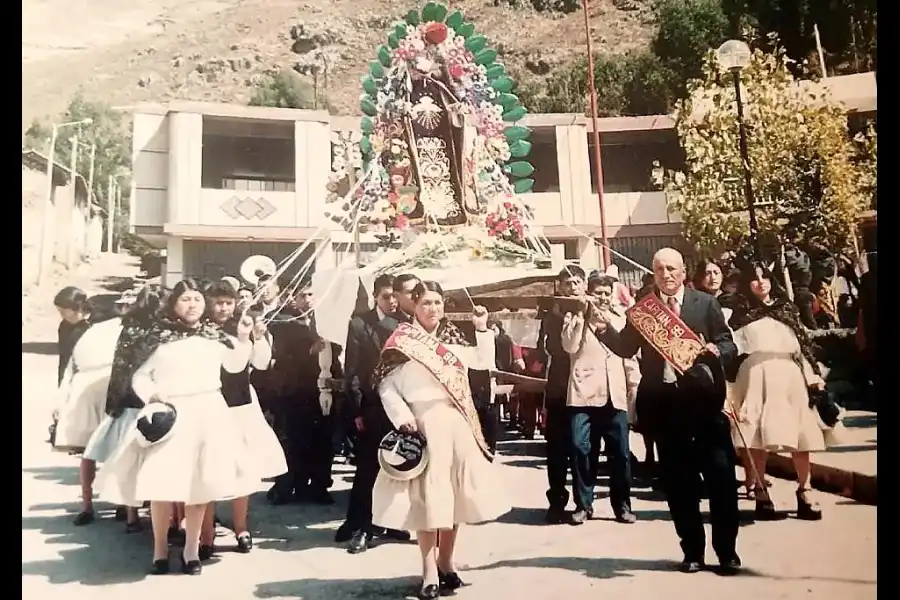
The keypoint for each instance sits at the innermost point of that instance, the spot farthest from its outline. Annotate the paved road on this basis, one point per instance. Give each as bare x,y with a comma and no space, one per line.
517,557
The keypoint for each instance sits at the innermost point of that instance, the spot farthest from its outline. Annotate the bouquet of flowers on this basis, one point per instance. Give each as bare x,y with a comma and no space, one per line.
505,223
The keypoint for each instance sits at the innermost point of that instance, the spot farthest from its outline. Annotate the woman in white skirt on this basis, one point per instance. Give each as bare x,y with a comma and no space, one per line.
123,406
82,402
198,462
771,393
255,438
424,387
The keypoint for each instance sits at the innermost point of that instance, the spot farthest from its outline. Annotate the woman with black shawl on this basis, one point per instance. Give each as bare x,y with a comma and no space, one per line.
199,462
122,405
771,394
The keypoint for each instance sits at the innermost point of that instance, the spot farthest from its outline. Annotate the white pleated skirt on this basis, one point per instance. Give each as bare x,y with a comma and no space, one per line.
202,461
256,441
459,485
83,409
110,435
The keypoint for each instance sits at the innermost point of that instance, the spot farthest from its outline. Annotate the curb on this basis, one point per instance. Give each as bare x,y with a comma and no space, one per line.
849,484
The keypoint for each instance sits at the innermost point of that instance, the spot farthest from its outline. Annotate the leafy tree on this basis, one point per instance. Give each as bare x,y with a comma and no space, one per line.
110,132
636,83
805,178
848,29
286,89
686,31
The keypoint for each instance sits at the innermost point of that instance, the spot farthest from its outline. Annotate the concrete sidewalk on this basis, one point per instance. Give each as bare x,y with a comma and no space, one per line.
850,469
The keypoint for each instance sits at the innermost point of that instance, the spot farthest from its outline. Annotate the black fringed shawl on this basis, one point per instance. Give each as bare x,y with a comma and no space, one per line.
137,342
784,312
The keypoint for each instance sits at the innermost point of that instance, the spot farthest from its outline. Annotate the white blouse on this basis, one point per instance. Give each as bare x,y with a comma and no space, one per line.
94,351
188,367
771,336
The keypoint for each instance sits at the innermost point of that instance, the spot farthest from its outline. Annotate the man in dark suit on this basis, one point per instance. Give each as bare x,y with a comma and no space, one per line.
558,432
303,411
684,414
365,338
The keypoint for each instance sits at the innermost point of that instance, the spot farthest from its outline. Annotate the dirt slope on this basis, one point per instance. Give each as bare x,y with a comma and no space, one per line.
214,50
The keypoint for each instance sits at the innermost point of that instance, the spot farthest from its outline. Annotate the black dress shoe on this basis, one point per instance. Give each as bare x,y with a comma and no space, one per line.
450,581
395,535
206,552
555,516
359,543
278,498
134,527
160,567
429,592
581,515
689,565
85,517
729,566
343,534
624,515
191,567
322,498
244,542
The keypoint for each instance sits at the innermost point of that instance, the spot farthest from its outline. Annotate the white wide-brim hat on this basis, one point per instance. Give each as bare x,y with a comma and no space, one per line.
155,424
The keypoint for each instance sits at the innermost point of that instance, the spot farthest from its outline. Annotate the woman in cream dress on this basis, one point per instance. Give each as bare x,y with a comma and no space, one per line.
771,393
255,439
199,462
459,484
82,402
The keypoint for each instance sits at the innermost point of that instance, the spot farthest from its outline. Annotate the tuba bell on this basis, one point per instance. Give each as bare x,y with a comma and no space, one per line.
255,267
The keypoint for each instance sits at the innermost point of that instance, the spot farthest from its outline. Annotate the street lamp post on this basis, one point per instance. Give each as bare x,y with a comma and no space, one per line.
734,56
46,220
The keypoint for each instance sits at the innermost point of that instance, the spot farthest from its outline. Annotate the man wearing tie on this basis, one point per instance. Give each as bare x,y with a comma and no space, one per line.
684,414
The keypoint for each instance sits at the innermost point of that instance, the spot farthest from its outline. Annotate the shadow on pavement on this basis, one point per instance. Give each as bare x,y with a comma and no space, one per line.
106,556
599,568
297,526
61,475
327,589
41,348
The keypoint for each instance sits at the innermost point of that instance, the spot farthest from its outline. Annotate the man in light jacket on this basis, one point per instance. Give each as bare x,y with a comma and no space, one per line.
601,394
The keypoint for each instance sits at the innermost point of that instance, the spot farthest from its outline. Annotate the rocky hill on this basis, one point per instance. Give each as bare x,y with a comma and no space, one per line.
216,50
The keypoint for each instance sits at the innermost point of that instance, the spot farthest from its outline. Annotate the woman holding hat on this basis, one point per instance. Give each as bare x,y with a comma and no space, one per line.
423,384
193,460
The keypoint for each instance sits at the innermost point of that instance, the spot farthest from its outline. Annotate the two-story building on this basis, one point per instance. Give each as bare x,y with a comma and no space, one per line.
216,183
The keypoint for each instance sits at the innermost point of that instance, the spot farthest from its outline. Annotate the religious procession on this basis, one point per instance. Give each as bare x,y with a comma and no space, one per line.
451,325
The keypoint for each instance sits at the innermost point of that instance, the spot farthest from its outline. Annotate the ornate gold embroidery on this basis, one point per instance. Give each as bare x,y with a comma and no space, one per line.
666,332
427,113
437,193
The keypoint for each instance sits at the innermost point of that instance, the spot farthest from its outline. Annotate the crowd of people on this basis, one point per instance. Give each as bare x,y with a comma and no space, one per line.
195,396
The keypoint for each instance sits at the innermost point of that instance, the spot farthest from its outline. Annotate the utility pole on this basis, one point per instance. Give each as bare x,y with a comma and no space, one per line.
85,242
110,212
45,253
117,208
598,168
70,229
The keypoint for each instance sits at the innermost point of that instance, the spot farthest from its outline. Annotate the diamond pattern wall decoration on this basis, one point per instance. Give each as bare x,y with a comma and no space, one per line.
248,208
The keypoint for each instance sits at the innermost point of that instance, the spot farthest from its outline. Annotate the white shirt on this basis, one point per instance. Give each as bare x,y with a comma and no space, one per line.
669,373
380,314
485,351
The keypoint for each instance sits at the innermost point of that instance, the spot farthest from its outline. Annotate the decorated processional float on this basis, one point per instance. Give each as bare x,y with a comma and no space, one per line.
435,171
